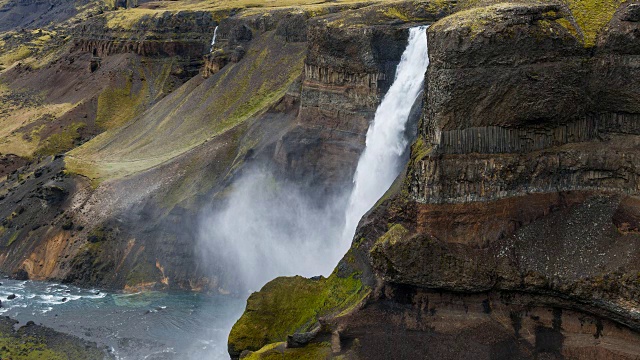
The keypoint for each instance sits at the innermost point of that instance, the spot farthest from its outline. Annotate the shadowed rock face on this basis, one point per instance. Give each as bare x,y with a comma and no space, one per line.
513,232
30,14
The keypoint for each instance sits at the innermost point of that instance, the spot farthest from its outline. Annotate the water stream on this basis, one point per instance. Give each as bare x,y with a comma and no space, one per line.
381,160
150,325
213,41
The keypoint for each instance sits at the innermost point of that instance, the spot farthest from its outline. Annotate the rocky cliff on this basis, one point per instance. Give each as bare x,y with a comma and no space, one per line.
512,234
127,124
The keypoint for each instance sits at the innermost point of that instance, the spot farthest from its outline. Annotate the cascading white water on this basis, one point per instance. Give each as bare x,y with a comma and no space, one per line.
272,228
380,162
213,41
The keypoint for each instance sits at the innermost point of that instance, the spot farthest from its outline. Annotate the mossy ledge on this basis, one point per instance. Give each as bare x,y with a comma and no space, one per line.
288,305
37,342
279,351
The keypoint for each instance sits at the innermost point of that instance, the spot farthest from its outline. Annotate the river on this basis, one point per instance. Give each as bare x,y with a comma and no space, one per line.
150,325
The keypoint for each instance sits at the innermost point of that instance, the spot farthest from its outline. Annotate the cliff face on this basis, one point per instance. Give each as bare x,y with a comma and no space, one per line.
176,122
513,231
71,84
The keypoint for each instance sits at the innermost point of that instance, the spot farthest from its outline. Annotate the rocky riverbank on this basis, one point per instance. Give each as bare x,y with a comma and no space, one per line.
33,341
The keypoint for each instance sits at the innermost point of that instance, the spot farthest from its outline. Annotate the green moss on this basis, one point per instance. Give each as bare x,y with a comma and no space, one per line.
396,13
568,25
42,344
144,272
287,305
116,106
20,53
395,233
278,351
419,150
61,142
13,237
592,16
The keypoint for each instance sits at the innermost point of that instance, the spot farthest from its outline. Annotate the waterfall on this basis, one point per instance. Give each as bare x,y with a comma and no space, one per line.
272,228
380,163
213,41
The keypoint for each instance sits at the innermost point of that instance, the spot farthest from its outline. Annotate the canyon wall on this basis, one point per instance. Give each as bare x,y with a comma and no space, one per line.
512,234
159,124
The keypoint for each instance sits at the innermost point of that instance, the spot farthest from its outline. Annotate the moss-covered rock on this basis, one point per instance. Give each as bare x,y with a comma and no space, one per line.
34,342
279,351
294,304
592,16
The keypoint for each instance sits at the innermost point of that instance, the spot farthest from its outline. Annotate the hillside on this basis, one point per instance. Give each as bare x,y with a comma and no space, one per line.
511,233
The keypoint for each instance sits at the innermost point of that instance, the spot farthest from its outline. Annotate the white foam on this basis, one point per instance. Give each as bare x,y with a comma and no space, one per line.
380,162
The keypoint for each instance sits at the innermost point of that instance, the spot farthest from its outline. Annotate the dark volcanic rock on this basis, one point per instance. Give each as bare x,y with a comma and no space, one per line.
631,13
32,339
21,274
301,339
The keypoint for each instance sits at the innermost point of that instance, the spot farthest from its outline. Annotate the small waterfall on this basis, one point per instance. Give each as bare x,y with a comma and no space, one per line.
213,41
380,163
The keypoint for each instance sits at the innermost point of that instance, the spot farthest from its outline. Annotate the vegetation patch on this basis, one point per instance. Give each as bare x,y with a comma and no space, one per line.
118,105
20,53
61,142
13,237
293,304
592,16
278,351
475,19
569,26
33,342
395,233
481,15
419,150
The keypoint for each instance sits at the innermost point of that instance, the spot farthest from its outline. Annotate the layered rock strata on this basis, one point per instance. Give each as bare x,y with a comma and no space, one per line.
513,232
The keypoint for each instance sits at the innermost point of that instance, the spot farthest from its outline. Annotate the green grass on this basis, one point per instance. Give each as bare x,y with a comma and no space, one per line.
592,16
277,351
194,113
117,105
13,237
287,305
61,142
28,348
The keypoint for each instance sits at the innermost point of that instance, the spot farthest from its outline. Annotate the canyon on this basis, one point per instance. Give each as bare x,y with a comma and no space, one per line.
510,233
